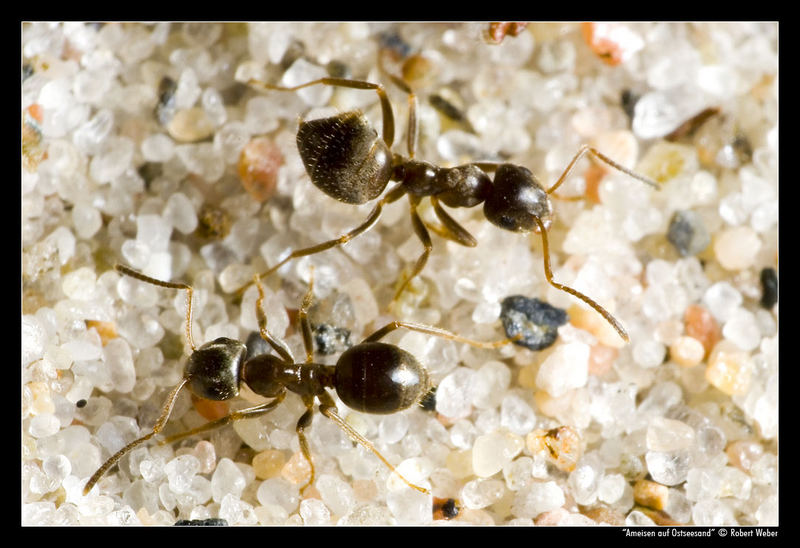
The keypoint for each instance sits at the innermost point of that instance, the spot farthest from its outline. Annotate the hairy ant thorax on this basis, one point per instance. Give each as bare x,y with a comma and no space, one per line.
347,160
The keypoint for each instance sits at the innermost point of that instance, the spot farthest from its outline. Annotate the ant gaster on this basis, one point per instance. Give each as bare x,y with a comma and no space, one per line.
345,158
371,377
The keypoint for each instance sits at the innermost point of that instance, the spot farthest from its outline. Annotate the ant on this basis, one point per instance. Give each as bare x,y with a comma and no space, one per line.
371,377
346,160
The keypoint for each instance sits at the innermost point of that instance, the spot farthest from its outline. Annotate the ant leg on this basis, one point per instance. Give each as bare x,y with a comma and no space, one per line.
305,324
128,271
411,130
162,420
279,346
586,149
424,237
386,105
441,232
450,229
302,424
549,275
437,332
328,408
249,413
392,196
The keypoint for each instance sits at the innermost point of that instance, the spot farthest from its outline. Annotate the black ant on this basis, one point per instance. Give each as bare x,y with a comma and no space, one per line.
345,158
370,377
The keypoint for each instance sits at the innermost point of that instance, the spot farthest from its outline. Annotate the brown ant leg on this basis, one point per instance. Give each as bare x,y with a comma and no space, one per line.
440,231
249,413
279,346
437,332
303,423
412,124
549,275
162,420
424,237
127,271
386,106
450,229
392,196
305,324
586,149
411,129
328,408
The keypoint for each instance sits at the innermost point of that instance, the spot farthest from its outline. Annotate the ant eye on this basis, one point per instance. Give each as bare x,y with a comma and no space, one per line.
505,222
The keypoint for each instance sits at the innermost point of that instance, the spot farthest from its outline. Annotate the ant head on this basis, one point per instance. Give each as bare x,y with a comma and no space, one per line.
214,369
344,157
517,199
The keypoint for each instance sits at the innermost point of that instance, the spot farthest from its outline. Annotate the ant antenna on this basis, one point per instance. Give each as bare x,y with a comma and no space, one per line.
162,420
127,271
549,275
594,153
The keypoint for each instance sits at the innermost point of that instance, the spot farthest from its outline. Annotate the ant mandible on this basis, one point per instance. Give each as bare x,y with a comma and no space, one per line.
346,160
371,377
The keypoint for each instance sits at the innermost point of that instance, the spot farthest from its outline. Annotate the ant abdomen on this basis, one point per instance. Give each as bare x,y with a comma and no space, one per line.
517,200
344,157
214,369
379,378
